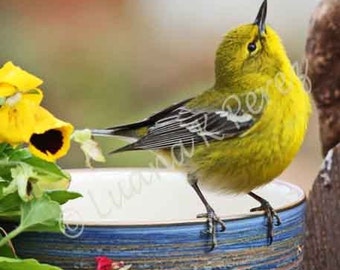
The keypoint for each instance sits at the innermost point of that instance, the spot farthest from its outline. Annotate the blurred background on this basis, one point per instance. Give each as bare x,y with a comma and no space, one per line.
111,62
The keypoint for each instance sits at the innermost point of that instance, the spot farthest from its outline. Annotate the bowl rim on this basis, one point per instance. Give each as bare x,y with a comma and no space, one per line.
180,222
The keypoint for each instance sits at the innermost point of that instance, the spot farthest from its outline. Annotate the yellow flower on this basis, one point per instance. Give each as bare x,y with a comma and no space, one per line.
19,97
51,137
18,78
17,122
23,120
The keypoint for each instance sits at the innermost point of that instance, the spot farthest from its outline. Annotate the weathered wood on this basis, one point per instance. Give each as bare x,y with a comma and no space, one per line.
322,245
323,63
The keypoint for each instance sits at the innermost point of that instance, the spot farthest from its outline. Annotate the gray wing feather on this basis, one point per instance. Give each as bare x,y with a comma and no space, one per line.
184,126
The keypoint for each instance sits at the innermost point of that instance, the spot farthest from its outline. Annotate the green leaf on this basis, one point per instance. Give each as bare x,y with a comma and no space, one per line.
7,250
10,158
63,196
41,214
7,149
28,264
5,172
19,154
20,175
10,206
51,170
3,147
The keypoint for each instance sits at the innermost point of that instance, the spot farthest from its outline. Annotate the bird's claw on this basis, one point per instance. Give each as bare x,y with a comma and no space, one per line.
212,221
271,215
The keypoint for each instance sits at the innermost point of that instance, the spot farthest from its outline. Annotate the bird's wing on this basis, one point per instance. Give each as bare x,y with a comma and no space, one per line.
185,126
139,129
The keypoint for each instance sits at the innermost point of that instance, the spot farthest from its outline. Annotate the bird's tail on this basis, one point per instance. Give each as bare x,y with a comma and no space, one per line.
103,132
133,131
130,133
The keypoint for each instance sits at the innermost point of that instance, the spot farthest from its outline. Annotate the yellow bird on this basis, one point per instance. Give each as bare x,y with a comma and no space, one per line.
243,131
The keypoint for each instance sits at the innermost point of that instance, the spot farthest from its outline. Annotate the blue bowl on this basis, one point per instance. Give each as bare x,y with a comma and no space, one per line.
146,218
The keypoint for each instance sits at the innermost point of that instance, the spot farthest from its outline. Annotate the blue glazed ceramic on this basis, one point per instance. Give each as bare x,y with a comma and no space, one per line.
147,218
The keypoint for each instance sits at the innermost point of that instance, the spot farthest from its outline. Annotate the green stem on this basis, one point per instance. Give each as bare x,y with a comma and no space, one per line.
11,235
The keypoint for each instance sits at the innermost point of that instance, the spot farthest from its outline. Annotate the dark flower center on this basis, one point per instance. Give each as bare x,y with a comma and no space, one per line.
51,141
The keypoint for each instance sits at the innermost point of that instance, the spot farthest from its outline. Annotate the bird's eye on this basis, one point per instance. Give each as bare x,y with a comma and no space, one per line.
251,47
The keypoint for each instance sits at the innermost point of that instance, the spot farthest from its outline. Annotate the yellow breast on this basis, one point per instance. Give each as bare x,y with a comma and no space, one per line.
242,164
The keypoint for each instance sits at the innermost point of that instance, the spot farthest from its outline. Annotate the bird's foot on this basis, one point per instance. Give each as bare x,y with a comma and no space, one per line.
212,222
272,218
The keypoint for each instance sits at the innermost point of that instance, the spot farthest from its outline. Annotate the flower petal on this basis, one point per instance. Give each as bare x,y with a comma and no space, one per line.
90,148
35,96
17,122
104,263
6,89
51,137
19,78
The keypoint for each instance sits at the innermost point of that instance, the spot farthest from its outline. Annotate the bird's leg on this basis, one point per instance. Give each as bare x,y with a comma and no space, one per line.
212,219
270,214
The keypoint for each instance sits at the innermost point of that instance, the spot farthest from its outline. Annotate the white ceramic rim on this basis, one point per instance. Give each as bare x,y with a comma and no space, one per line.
300,192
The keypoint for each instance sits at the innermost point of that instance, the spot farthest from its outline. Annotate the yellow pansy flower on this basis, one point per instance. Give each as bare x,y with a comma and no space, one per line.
16,77
17,121
19,98
23,120
51,137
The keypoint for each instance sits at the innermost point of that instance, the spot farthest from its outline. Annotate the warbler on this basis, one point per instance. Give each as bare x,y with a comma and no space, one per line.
239,134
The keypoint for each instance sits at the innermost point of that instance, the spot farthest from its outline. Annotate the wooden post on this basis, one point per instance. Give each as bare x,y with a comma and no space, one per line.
323,63
322,245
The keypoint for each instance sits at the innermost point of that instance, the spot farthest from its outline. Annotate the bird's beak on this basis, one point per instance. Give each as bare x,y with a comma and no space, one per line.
260,20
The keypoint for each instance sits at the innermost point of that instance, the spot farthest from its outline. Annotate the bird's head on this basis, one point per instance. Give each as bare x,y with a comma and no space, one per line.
249,50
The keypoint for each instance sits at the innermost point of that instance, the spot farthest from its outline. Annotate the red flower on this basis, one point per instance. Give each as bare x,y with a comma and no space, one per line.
104,263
